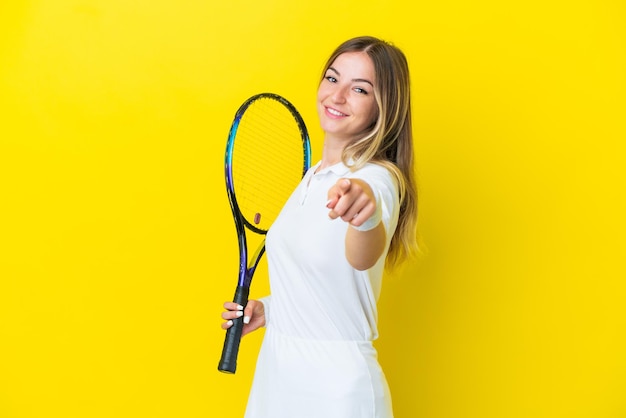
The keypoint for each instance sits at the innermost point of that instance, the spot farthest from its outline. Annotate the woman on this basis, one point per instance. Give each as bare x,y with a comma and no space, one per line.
354,212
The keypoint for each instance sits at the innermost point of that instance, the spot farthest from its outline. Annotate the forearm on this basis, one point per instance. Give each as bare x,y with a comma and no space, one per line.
364,248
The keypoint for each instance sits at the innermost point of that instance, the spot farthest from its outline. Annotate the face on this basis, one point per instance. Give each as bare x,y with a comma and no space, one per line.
345,99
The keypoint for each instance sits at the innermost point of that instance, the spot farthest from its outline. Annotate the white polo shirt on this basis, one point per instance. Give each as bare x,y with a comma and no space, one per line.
316,293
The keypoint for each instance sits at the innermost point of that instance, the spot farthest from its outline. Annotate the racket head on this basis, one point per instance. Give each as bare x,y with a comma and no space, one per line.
267,153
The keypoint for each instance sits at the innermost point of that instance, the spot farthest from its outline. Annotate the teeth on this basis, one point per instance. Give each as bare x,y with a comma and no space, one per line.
334,112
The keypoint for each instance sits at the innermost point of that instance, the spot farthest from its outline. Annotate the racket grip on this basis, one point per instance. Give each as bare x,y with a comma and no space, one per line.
228,362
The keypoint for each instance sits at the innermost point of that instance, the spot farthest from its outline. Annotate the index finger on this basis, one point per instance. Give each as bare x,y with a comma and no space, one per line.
232,306
341,187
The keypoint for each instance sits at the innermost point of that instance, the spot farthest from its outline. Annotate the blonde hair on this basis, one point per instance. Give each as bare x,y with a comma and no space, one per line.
390,140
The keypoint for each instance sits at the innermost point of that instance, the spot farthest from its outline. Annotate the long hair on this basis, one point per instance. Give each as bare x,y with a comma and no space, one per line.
390,140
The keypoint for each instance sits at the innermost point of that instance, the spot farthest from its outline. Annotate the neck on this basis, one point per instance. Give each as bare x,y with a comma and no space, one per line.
332,151
329,158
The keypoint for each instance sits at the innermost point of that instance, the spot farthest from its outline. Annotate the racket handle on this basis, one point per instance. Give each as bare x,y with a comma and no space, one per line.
228,362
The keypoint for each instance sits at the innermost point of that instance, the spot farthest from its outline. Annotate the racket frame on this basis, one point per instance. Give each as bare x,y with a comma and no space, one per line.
247,267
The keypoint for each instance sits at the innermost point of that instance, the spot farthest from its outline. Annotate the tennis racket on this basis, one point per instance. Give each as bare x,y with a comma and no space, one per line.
267,153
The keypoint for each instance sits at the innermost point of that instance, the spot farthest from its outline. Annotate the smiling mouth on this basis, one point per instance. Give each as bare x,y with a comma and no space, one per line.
335,112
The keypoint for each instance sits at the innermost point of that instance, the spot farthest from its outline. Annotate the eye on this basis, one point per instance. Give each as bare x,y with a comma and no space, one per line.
360,90
331,79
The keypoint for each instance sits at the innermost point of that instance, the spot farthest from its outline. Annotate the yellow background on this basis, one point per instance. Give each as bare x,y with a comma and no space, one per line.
117,245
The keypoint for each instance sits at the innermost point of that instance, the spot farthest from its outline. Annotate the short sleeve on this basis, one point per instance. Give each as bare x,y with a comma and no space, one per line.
385,188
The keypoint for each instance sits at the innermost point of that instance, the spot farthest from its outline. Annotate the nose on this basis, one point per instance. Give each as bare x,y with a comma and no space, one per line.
339,94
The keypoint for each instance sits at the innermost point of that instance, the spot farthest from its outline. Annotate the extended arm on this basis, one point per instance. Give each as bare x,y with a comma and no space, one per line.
354,202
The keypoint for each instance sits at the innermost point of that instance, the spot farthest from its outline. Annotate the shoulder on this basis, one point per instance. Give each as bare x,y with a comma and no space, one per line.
375,173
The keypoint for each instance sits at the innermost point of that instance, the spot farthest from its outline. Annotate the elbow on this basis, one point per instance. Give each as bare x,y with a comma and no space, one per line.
362,265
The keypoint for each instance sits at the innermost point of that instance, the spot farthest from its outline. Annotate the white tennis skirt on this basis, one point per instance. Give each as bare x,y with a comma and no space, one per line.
302,378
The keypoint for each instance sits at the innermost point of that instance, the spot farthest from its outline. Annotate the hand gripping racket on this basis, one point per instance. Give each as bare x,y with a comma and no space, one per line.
267,153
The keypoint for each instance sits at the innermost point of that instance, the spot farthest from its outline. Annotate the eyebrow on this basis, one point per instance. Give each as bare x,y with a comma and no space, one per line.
362,80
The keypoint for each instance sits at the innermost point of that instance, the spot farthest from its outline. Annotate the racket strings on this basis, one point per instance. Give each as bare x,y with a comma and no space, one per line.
267,161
